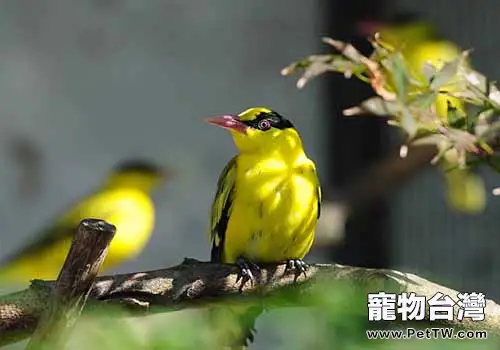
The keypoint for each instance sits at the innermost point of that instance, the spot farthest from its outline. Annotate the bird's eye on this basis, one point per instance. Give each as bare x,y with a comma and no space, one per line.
264,125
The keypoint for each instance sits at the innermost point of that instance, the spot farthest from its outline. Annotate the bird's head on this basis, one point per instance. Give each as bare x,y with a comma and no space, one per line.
398,29
137,173
259,129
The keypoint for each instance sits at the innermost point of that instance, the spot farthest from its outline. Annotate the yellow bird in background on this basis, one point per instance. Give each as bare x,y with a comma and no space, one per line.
419,42
124,200
266,206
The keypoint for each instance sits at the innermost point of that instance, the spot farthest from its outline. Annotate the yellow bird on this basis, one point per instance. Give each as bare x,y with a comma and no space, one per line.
124,201
267,202
419,42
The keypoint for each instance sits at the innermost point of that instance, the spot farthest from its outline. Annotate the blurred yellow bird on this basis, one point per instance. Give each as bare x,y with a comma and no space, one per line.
419,42
124,201
267,202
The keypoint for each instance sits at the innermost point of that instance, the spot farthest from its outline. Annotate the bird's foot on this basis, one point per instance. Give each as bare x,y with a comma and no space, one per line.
249,336
297,265
247,321
247,269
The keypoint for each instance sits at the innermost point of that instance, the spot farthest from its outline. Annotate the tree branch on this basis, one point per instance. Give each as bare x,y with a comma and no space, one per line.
197,284
69,293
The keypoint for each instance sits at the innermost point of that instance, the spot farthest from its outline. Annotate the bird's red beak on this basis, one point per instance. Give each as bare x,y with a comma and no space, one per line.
231,122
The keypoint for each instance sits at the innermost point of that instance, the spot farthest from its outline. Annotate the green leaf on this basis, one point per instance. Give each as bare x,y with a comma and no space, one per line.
470,96
494,96
479,89
482,122
378,106
424,100
443,147
428,71
447,72
319,64
478,81
461,140
455,118
408,123
459,123
485,147
400,75
315,65
434,139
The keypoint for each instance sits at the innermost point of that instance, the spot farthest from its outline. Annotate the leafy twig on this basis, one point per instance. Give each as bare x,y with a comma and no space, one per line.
409,103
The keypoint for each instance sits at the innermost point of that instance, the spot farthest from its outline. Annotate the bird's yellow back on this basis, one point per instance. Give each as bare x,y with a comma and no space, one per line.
123,200
130,210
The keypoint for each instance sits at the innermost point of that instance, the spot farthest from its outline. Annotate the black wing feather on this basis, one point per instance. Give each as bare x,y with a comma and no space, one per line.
318,192
221,209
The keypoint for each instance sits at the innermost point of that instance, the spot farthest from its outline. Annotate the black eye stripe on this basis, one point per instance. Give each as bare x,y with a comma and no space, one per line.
274,118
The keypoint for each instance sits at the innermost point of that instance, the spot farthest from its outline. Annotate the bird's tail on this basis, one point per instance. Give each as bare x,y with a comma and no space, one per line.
234,325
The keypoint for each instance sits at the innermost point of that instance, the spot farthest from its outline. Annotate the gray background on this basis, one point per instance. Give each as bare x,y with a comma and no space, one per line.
94,82
95,85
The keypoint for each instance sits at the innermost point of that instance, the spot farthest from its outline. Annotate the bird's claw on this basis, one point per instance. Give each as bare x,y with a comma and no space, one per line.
297,265
250,337
246,267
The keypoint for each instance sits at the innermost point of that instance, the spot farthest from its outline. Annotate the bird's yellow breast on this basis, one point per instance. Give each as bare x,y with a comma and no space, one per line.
134,220
275,209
